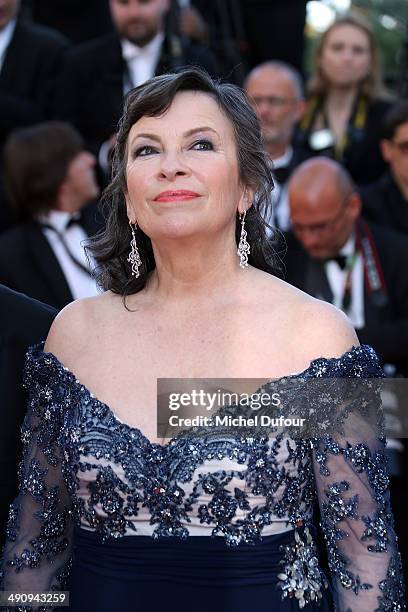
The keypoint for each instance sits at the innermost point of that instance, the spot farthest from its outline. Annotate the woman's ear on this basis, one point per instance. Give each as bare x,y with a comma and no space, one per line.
246,200
129,210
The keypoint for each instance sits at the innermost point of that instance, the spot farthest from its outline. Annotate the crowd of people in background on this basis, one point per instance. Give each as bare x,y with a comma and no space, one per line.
337,141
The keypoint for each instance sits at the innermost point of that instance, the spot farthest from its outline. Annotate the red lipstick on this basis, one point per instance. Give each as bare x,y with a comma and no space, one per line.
174,195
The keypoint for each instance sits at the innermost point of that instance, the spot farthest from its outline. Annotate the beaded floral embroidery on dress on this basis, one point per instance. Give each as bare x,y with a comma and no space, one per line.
82,465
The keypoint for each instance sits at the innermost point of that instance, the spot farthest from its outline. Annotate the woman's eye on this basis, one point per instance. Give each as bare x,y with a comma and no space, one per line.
143,151
203,145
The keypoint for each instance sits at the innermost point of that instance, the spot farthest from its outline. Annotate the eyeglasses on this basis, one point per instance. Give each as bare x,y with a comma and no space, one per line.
325,226
402,146
275,101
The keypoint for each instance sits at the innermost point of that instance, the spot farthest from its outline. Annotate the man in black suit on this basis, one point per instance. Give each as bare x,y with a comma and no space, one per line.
276,91
335,255
30,57
386,200
23,322
98,74
50,179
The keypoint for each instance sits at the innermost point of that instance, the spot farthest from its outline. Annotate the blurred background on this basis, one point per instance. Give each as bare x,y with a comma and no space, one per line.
261,29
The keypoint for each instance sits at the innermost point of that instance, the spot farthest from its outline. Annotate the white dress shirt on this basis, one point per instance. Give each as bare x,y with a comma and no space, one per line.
6,35
141,61
280,200
80,283
277,214
337,281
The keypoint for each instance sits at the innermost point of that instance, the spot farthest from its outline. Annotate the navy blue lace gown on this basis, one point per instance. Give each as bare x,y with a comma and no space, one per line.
215,522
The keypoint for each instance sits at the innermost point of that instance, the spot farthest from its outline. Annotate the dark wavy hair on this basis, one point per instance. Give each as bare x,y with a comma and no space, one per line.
110,248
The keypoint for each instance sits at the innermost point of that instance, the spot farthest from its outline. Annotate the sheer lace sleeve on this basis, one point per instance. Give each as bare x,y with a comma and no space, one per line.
352,486
37,550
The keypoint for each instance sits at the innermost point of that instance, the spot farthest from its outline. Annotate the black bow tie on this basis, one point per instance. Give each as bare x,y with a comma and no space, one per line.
341,260
74,220
281,174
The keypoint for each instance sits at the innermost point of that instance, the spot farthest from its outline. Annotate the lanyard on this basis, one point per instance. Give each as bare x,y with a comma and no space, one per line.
355,125
66,248
373,273
346,298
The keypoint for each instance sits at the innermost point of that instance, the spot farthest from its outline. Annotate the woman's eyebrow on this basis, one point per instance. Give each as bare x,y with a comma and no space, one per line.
204,128
146,135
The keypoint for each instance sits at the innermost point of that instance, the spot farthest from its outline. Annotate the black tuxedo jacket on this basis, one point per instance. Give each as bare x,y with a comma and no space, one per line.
28,264
90,90
30,66
383,203
23,322
386,326
27,75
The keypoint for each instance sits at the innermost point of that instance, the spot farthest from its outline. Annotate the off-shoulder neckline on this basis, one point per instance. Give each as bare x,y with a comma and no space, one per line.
36,352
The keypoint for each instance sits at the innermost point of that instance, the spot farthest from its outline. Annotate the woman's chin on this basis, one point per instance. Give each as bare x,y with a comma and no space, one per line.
176,228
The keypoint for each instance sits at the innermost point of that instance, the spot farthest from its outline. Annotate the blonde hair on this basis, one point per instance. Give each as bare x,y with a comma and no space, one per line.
372,85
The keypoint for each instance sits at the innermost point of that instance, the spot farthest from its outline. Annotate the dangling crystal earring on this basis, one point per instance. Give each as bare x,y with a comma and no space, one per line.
134,256
243,247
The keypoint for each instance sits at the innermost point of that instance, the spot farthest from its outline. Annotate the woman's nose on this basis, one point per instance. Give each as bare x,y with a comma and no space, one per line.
172,166
347,55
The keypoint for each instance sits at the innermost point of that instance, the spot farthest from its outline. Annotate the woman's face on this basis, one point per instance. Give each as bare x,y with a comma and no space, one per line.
182,170
346,56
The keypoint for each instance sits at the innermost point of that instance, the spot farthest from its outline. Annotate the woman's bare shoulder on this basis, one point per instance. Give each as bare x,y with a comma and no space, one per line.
326,330
315,327
75,325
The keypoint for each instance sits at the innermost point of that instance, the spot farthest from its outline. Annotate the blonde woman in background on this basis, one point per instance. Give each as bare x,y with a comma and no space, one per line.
347,99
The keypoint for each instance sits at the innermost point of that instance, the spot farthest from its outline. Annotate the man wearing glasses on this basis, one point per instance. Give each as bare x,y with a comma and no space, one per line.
276,92
386,200
335,255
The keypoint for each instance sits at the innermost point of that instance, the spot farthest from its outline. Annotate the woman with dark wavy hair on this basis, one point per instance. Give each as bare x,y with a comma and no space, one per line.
217,517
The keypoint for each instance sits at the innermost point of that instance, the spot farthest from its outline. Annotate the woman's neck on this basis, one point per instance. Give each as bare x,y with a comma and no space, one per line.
194,269
339,108
341,98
